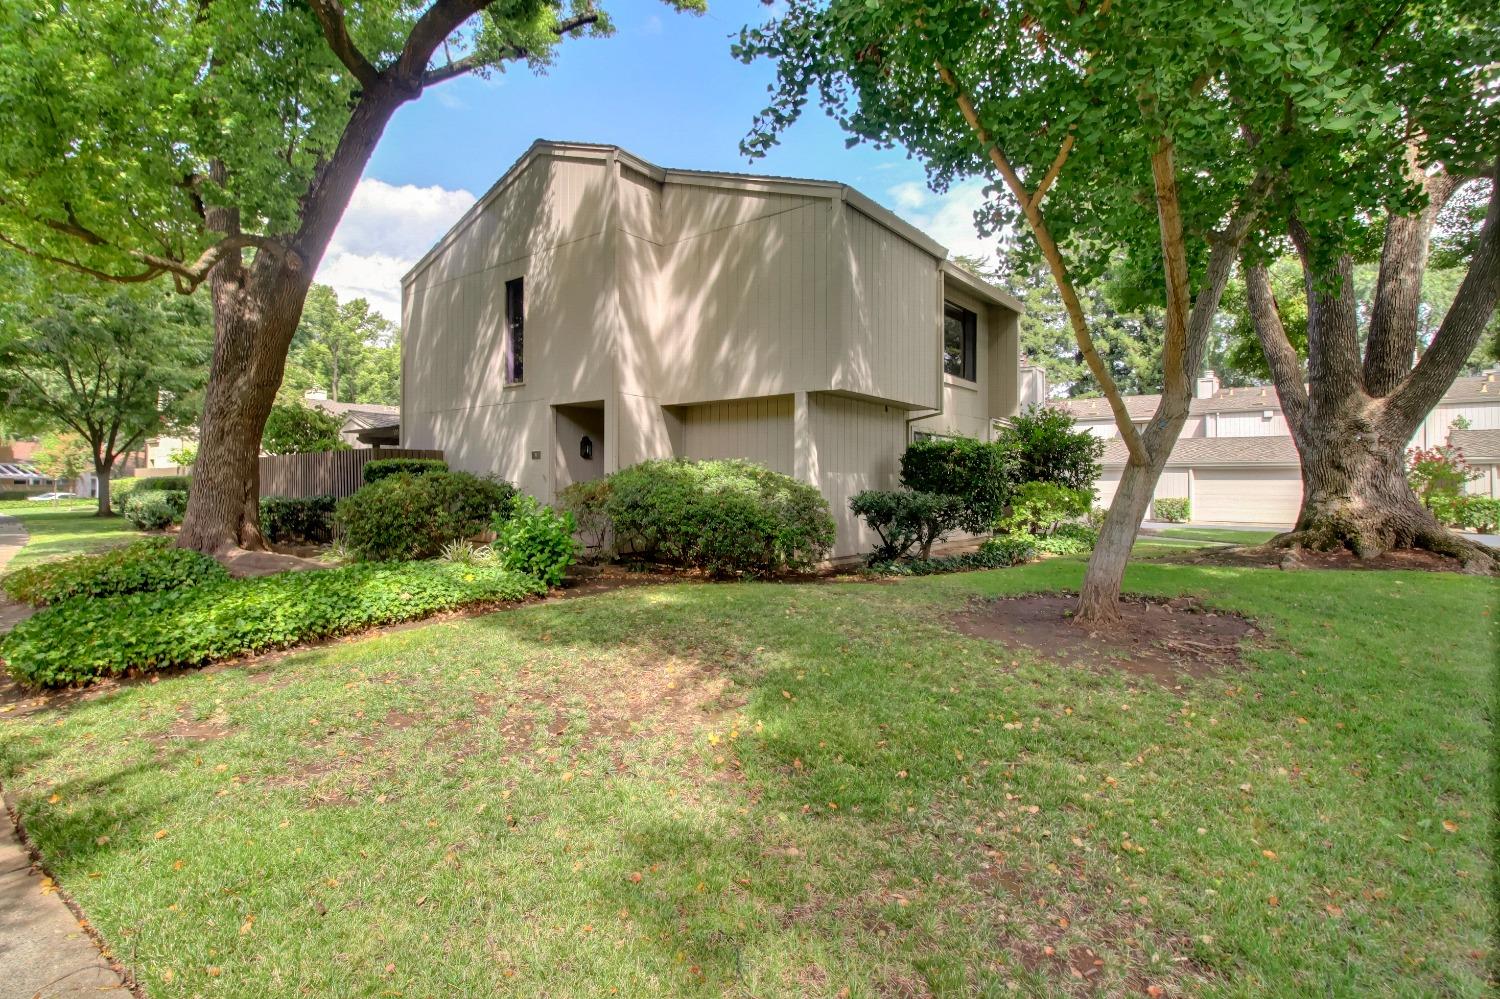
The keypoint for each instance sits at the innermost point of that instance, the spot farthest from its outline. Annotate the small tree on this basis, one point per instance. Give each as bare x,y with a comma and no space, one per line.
292,428
978,474
113,370
61,457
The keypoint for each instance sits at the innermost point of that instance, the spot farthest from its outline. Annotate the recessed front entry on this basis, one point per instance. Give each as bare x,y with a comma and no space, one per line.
580,443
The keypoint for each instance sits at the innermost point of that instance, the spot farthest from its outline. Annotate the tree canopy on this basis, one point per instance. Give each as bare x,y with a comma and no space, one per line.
346,349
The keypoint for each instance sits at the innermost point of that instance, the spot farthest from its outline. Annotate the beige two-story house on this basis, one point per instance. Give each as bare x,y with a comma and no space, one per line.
594,310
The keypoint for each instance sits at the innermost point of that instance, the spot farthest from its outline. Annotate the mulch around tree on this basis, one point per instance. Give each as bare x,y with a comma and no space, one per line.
1163,640
1263,557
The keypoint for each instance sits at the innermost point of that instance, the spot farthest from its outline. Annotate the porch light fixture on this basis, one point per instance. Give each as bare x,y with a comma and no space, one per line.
586,448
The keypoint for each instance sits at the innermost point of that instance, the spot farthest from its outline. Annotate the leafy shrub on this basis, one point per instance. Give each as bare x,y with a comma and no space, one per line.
1068,539
903,519
407,516
1437,475
292,428
156,509
1096,517
1046,447
141,566
287,518
380,468
729,517
121,490
1480,513
82,640
588,502
1039,507
979,473
996,553
1173,511
536,540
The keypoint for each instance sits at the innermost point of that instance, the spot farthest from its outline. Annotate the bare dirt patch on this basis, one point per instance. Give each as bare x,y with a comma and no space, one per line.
244,564
1263,557
1159,639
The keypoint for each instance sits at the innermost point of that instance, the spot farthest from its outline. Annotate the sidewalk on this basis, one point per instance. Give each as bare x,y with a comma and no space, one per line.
44,952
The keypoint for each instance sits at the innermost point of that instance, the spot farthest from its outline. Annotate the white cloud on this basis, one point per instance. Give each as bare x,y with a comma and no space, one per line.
947,218
386,230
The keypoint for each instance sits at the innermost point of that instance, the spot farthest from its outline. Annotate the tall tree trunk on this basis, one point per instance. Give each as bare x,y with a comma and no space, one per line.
1099,597
1354,417
101,476
256,310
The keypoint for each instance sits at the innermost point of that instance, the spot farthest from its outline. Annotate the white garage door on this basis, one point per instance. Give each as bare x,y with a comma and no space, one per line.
1105,487
1247,495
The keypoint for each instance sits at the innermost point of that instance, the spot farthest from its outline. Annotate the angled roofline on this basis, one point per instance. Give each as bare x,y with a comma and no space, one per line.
806,187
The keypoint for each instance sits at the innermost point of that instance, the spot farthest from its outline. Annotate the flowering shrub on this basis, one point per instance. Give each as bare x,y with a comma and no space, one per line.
1437,475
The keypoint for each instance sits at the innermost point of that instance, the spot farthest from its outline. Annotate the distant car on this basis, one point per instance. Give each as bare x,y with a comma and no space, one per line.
42,497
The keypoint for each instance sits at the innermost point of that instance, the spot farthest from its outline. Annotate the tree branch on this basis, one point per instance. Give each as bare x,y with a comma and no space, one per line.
1461,329
1050,177
467,64
330,15
1030,205
1286,367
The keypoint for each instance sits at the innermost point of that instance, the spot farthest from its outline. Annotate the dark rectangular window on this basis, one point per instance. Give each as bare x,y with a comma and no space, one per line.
515,331
959,325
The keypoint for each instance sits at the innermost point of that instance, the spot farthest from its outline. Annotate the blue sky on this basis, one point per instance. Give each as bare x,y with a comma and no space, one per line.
663,86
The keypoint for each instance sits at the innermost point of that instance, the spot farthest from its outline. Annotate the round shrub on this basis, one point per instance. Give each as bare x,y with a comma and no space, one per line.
146,565
306,518
407,516
1048,447
535,540
978,472
156,509
903,519
729,517
382,468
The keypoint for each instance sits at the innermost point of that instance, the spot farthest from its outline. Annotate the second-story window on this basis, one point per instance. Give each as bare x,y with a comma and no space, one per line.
515,331
959,325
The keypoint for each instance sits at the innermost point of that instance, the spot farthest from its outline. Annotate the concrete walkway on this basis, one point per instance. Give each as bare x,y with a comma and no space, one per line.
44,952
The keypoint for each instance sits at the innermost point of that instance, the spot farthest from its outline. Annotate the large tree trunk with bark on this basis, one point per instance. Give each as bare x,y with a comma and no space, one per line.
101,476
1354,415
1099,597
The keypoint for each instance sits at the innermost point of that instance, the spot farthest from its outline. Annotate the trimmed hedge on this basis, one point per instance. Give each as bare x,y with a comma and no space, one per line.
156,509
730,517
141,566
980,474
121,490
382,468
996,553
307,518
79,641
407,516
1173,511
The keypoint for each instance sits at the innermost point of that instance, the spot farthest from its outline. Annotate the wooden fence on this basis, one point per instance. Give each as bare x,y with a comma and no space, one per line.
325,473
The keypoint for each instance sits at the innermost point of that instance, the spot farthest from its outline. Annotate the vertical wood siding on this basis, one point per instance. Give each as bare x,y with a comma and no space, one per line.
855,445
758,430
888,347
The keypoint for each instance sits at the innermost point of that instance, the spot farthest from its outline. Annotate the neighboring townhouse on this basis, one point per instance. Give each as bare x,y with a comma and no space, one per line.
594,310
366,424
1236,463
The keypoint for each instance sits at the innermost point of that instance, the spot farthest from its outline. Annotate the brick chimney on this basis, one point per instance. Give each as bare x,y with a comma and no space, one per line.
1208,385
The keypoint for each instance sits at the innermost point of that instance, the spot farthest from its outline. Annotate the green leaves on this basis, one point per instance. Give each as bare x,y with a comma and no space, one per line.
142,566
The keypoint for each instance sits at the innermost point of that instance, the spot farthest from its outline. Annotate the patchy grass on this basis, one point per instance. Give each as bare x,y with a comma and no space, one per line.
1224,535
789,790
66,527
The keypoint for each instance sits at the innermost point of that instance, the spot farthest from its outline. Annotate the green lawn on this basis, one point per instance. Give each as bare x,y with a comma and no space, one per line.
797,790
64,528
1227,535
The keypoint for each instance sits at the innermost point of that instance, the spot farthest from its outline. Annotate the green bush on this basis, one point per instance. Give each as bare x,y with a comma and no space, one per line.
1480,513
292,428
1068,539
1173,511
306,518
407,516
1039,507
728,517
903,519
156,509
996,553
588,502
1046,448
536,540
980,474
83,640
141,566
380,468
121,490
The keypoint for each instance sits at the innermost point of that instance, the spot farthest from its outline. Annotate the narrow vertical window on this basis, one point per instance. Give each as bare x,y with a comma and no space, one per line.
515,331
959,326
